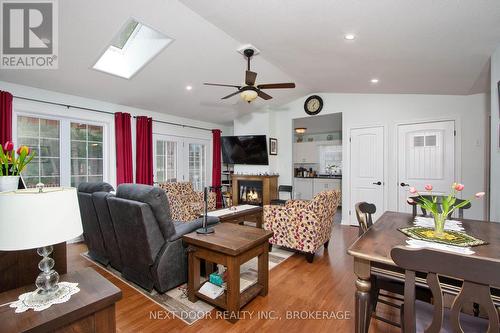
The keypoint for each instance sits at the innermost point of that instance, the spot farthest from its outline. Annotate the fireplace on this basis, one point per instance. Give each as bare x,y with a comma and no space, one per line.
250,192
254,189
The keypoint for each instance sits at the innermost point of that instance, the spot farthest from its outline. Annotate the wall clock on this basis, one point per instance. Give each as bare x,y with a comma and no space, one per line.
313,105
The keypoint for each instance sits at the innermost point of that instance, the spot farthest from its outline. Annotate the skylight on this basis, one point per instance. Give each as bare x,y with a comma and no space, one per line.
131,49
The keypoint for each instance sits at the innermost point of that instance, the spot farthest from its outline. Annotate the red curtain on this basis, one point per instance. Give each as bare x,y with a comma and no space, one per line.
123,138
5,117
216,165
144,151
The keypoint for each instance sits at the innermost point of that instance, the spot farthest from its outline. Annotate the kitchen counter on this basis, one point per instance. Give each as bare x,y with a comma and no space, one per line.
307,187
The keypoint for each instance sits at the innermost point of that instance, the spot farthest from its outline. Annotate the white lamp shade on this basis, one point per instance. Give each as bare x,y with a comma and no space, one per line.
29,219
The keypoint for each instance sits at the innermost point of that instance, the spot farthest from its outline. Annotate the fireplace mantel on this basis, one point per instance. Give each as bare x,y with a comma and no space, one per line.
269,187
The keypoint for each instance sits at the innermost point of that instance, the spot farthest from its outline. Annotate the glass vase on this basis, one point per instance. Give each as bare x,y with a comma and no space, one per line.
439,221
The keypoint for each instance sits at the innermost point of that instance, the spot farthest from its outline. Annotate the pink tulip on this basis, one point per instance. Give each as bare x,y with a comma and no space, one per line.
8,146
413,190
459,187
428,187
479,194
410,201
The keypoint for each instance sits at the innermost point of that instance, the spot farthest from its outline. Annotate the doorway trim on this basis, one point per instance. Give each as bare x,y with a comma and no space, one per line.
346,186
457,146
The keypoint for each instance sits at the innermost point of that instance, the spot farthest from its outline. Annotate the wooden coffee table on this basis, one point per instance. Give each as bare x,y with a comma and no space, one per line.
243,213
231,245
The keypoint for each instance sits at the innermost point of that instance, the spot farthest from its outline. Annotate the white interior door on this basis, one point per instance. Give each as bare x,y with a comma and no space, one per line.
426,155
367,168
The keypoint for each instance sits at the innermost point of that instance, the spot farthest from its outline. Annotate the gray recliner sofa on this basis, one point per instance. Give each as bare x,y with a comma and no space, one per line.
152,252
92,232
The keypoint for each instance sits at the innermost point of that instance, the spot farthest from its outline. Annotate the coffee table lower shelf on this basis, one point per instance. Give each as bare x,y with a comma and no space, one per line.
245,296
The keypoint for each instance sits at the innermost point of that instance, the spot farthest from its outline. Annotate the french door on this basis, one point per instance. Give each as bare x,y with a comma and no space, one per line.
181,159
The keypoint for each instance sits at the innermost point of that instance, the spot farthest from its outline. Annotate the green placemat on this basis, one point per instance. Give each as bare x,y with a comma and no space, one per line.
454,238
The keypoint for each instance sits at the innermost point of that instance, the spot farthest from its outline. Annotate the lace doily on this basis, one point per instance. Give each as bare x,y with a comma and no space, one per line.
28,301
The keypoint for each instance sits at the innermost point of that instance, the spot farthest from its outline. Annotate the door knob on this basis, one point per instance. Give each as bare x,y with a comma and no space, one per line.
378,183
403,184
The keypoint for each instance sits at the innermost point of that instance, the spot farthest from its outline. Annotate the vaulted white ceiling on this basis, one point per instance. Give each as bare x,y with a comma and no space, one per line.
411,46
425,46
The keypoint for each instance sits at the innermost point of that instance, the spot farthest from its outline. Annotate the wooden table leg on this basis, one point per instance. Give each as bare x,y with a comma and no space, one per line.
363,310
263,269
233,288
193,275
259,221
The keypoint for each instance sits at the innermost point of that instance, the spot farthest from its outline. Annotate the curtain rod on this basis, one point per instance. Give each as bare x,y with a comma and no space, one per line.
106,112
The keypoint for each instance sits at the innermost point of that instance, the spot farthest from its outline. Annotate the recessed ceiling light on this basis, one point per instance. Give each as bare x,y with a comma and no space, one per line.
189,87
374,80
349,36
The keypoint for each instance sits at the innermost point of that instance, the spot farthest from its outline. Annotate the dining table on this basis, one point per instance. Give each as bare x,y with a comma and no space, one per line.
372,256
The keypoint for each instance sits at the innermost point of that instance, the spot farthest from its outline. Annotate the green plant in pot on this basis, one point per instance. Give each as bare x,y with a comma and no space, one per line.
12,163
440,207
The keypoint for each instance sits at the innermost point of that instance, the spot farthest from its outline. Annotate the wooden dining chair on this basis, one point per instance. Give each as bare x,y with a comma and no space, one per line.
364,212
439,202
390,287
477,274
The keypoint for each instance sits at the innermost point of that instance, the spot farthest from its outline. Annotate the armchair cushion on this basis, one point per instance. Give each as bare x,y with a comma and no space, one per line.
185,203
302,225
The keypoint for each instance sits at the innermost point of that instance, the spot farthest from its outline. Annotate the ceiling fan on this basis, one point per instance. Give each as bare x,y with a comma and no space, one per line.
250,91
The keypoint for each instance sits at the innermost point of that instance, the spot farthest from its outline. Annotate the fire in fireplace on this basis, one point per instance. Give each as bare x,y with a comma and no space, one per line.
250,192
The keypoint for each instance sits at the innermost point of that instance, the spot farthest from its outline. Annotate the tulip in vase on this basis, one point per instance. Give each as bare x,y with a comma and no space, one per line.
440,209
12,163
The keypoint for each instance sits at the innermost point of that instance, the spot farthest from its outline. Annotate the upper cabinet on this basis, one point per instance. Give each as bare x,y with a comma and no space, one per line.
305,152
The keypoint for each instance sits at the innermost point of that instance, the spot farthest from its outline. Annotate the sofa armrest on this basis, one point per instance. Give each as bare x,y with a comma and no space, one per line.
183,228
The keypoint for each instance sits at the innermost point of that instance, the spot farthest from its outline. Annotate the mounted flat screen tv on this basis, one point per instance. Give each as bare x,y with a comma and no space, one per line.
247,149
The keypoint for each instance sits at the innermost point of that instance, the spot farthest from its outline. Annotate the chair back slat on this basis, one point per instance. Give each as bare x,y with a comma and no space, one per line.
364,212
478,274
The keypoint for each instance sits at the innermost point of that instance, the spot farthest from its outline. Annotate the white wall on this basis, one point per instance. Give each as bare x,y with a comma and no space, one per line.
29,107
469,112
495,140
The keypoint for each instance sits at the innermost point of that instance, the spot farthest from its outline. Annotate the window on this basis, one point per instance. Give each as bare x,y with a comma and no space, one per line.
41,135
197,165
132,48
181,159
86,153
68,152
166,161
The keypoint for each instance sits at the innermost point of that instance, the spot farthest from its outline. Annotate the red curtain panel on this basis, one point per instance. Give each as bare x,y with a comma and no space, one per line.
123,138
5,117
144,151
216,165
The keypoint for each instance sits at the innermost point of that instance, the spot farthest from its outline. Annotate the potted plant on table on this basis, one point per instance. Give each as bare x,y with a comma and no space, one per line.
440,208
12,163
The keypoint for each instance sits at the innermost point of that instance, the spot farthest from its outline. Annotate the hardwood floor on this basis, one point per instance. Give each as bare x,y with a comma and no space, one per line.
295,285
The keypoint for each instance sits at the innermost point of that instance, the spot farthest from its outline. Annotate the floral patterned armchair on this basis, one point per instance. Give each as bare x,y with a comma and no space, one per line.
303,225
185,203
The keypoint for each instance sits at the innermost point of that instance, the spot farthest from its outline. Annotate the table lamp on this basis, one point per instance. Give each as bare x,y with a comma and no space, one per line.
39,218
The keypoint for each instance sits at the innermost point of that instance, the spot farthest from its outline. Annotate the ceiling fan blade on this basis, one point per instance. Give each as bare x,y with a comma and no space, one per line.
276,85
222,85
263,95
250,78
231,95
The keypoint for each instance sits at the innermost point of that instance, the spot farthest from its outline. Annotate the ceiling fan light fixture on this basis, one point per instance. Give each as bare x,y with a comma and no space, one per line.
248,95
300,130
